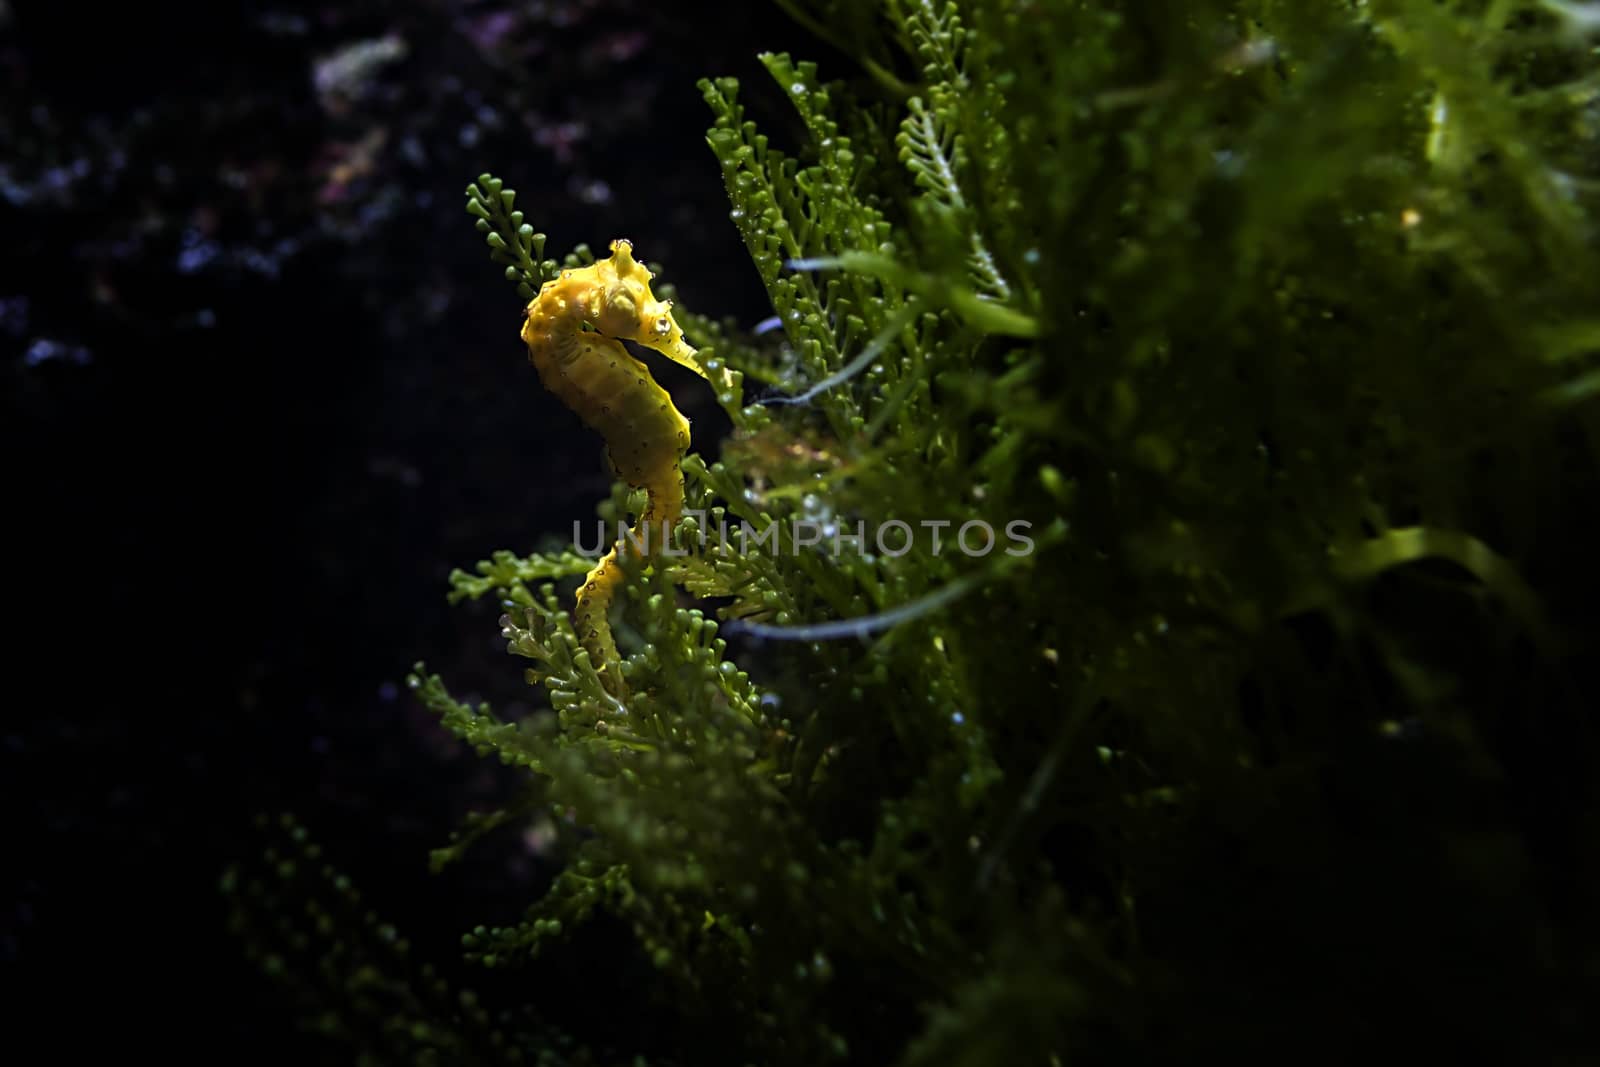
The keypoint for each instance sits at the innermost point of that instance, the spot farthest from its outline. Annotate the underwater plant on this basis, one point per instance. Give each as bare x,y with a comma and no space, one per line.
1140,606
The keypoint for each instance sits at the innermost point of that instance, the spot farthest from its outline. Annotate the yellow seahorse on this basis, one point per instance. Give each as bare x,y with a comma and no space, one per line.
573,329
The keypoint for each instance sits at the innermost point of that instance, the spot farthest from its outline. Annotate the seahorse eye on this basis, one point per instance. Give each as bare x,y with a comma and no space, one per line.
663,326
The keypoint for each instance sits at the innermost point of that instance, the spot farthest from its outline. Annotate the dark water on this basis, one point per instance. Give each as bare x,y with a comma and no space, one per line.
263,390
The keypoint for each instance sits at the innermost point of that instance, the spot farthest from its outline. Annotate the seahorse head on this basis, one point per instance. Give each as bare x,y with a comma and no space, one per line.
629,310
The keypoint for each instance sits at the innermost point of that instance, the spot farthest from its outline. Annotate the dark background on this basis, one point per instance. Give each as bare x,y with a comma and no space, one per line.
263,390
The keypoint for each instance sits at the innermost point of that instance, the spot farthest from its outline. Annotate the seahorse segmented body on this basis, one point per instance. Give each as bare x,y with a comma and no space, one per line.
574,328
